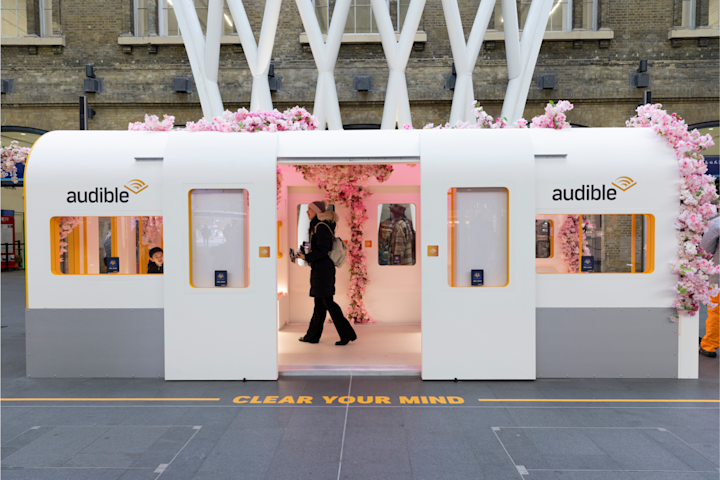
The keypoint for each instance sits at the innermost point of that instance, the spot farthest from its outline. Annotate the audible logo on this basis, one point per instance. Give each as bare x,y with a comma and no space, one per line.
105,195
136,186
591,192
624,183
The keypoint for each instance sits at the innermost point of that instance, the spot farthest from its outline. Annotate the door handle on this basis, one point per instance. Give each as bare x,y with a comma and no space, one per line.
279,254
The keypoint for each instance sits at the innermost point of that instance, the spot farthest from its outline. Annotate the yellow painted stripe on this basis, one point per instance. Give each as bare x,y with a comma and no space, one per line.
109,399
624,400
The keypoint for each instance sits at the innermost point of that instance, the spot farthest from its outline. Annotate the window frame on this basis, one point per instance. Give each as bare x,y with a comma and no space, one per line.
452,234
323,29
17,22
42,6
353,7
379,223
650,253
163,9
56,258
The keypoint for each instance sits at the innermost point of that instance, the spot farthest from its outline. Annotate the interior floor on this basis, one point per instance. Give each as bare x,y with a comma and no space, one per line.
391,347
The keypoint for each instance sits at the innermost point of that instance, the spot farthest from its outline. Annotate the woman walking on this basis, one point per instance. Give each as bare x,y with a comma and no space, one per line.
322,276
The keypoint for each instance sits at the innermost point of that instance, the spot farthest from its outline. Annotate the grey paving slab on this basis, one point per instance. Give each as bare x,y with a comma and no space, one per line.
62,474
307,470
377,451
138,475
55,447
164,449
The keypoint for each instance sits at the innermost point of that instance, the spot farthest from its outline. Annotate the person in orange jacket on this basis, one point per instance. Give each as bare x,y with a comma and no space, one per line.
711,341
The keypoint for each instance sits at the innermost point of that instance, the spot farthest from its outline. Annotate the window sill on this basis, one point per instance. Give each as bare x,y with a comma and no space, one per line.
700,32
158,40
602,34
30,41
420,37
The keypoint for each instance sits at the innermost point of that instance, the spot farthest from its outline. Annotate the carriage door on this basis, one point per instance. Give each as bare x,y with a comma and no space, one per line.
478,270
220,259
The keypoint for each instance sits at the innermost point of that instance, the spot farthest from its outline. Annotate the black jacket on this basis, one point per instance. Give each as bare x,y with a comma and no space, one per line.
322,275
153,267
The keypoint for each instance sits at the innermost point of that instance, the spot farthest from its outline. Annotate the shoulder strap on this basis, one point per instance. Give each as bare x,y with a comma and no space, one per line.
328,226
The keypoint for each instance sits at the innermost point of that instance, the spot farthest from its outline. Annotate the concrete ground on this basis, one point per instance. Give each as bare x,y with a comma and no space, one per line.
137,429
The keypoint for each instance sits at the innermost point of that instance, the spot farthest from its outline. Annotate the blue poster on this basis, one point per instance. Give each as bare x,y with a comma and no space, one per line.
396,259
588,264
477,278
113,264
221,278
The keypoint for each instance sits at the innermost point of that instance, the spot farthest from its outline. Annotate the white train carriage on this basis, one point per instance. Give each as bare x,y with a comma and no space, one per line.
489,200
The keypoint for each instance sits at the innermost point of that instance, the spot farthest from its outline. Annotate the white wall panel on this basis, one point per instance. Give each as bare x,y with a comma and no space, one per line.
221,333
478,332
78,161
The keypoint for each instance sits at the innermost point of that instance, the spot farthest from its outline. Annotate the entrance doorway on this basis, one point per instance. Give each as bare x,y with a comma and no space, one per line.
393,294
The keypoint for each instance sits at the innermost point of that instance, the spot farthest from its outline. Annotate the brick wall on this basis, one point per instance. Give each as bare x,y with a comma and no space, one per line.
47,84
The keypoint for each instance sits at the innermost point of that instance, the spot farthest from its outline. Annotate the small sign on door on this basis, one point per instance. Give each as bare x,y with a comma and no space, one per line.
433,250
264,252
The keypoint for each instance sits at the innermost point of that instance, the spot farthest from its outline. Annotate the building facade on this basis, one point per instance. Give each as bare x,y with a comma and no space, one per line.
592,47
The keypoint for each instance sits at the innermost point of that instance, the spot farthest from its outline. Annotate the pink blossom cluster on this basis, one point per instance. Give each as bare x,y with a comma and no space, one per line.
554,117
697,192
153,124
293,119
151,230
65,226
343,185
570,242
278,179
10,156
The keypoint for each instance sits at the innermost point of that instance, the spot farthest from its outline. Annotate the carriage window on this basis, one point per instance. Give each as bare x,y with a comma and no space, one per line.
478,237
396,234
107,245
543,238
219,237
595,243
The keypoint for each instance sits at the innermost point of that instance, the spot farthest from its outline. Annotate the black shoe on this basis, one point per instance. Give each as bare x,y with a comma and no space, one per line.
302,339
345,342
703,352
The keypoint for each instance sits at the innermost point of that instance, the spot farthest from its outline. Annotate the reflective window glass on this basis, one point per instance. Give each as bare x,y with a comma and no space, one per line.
107,245
593,243
396,234
219,237
478,237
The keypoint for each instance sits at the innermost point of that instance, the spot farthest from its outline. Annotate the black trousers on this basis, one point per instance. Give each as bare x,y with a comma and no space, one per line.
322,306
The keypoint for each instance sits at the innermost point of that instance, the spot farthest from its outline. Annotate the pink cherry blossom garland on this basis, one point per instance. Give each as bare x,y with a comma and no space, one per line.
65,226
10,156
151,230
570,242
554,117
344,185
697,192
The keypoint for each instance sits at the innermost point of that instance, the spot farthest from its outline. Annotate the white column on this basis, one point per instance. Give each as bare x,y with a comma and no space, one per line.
327,106
465,55
198,51
523,58
397,102
258,55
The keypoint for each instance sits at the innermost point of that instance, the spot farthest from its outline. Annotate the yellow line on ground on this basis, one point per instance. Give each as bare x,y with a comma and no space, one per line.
109,399
625,400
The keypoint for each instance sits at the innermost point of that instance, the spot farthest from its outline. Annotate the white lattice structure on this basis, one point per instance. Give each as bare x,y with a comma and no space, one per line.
204,54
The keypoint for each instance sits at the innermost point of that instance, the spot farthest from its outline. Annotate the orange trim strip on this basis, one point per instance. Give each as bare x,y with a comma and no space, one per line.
580,247
453,217
85,249
632,244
